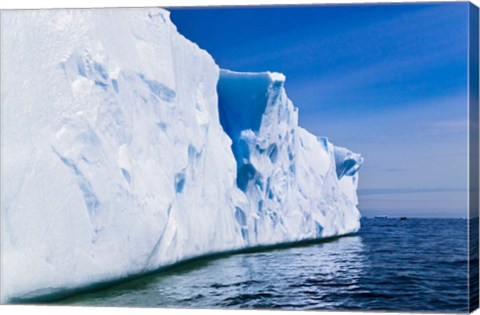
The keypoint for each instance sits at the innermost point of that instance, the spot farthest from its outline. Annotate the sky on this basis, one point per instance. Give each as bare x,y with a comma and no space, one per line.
387,81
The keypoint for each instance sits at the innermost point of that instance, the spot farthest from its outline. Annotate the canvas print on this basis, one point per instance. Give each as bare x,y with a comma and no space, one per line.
305,157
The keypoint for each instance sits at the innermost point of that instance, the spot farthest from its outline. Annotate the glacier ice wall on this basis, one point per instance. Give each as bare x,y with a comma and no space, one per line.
118,157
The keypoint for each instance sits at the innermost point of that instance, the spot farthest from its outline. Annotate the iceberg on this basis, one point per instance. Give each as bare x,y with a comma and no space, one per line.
124,149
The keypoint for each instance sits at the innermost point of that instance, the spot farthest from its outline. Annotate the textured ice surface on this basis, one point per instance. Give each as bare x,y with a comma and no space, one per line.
288,175
114,161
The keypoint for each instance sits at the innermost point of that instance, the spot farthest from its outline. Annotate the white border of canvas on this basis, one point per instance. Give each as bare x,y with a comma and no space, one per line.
75,310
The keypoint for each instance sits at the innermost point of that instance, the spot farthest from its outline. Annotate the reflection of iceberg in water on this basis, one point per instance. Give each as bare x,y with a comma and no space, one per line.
378,269
311,276
342,258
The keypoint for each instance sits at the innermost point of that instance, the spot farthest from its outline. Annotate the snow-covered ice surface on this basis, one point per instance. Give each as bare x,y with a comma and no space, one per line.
118,157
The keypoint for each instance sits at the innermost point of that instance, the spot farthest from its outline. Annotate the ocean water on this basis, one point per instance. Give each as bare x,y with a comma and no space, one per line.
415,264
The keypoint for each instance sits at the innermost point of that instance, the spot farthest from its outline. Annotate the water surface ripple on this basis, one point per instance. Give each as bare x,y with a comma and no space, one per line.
416,264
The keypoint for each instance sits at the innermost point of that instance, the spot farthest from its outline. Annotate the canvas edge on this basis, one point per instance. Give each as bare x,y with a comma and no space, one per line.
473,157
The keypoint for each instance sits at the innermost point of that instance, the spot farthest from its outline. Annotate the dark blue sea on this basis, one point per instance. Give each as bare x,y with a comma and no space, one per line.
414,264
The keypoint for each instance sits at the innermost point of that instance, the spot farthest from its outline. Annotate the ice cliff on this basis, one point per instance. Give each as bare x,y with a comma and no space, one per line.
124,148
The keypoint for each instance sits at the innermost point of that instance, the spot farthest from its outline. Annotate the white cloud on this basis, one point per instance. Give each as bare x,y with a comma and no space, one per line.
444,127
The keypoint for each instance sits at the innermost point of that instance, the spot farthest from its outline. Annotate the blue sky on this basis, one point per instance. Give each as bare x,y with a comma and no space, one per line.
388,81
